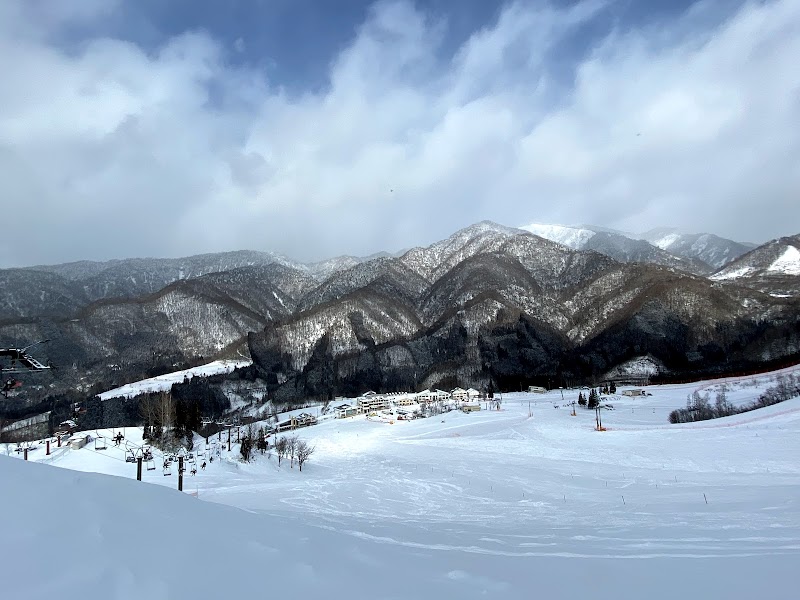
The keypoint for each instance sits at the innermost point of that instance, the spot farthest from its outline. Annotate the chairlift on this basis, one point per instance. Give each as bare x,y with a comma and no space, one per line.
130,456
151,464
167,468
99,443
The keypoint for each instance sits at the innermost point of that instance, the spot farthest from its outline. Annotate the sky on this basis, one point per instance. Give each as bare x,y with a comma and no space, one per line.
315,128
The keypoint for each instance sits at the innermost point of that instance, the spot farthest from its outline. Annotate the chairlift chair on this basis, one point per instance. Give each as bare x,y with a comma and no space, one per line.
167,468
130,456
99,443
151,464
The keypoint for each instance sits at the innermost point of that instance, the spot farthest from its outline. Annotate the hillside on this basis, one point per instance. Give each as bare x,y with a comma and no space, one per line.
773,268
497,306
489,304
488,504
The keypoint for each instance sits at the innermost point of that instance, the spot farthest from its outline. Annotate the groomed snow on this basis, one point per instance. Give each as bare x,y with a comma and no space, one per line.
163,383
788,263
526,502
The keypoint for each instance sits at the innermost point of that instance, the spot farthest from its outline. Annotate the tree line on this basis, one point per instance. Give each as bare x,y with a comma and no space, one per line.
700,408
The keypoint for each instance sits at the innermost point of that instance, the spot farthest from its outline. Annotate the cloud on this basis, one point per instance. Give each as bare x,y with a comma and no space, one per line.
108,149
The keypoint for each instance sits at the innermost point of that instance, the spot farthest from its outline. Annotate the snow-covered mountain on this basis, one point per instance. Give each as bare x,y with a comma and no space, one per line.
491,304
700,253
488,303
571,237
773,268
707,247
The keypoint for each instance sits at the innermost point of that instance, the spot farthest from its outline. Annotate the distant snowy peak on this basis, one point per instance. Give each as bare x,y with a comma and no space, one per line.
432,261
772,268
713,250
572,237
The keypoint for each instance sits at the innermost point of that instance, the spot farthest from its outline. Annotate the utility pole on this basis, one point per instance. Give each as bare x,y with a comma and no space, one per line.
229,440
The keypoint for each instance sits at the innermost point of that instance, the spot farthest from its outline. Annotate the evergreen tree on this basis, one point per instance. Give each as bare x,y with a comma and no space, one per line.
594,399
581,399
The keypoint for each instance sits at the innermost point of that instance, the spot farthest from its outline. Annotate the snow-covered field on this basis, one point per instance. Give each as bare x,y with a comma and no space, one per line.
163,383
525,502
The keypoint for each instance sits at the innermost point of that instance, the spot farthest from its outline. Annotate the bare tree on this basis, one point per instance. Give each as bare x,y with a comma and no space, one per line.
292,444
147,409
304,451
281,448
165,413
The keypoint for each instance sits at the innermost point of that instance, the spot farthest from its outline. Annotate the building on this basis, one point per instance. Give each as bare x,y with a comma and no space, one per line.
459,395
435,396
473,394
346,410
471,407
78,441
296,421
424,396
634,392
372,402
401,398
536,389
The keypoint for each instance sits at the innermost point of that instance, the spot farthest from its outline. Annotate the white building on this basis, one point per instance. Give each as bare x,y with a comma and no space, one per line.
459,395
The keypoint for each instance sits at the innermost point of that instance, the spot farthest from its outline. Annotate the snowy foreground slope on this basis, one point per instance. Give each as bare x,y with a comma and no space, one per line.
482,505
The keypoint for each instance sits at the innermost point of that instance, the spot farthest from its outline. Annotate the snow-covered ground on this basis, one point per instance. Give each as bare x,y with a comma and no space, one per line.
525,502
163,383
788,262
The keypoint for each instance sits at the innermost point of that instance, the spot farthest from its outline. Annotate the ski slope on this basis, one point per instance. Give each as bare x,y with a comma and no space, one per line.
525,502
163,383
